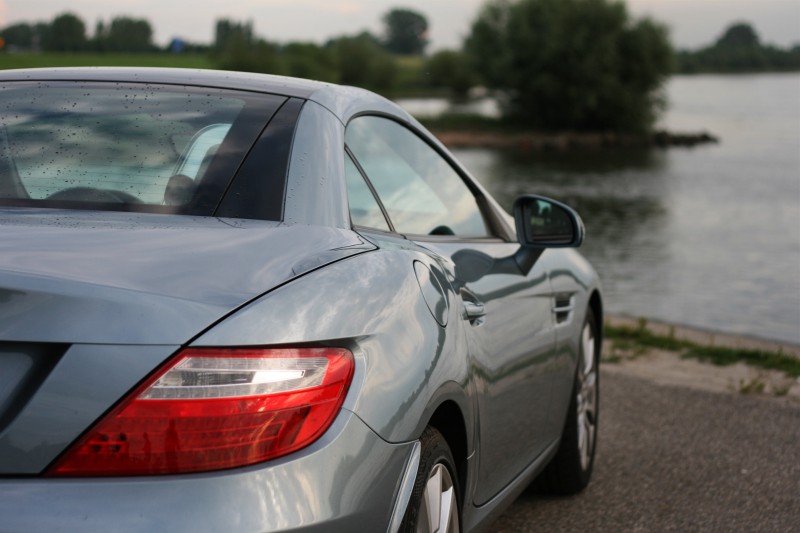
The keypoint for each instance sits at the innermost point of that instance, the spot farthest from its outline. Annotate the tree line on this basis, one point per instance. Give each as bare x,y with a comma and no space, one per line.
67,33
581,65
738,49
406,33
358,60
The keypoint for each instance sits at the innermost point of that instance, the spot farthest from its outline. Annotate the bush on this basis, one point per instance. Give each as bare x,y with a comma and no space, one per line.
251,56
450,69
307,60
361,62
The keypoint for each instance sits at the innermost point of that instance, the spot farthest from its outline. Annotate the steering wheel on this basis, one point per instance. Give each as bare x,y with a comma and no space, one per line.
92,194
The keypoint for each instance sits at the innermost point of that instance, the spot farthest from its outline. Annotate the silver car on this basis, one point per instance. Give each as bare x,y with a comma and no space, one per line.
236,302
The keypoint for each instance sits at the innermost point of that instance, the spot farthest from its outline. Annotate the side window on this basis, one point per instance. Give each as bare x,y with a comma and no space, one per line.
421,192
200,150
364,209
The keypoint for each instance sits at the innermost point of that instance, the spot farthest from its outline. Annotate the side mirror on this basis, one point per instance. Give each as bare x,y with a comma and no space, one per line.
545,223
541,223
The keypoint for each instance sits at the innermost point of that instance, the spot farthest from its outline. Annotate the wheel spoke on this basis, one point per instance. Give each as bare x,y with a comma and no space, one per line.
587,341
433,498
438,509
587,396
446,510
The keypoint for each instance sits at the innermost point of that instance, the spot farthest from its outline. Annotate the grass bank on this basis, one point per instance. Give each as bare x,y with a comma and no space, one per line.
640,338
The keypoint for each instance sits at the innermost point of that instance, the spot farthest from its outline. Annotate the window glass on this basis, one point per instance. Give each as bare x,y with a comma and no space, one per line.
133,145
364,209
421,192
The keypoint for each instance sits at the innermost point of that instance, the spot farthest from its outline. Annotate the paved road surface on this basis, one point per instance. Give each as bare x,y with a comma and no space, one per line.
675,459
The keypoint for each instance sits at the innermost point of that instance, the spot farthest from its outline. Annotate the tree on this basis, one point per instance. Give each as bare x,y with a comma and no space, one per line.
237,48
126,34
67,33
362,63
739,35
18,35
227,30
406,32
572,64
308,60
41,32
738,49
451,69
251,56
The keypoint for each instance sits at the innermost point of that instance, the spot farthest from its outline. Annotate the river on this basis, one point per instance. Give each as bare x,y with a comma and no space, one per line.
706,236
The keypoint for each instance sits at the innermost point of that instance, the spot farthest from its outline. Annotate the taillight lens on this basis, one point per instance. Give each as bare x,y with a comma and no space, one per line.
211,409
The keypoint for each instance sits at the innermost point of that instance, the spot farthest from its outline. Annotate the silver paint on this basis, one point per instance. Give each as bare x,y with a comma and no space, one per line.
150,283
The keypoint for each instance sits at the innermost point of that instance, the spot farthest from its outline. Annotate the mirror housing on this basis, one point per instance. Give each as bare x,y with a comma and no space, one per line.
545,223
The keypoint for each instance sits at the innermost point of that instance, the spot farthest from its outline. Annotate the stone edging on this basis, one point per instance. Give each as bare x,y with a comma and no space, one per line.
706,337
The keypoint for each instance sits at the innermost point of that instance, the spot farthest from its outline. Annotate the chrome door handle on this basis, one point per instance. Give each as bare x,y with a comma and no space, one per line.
474,312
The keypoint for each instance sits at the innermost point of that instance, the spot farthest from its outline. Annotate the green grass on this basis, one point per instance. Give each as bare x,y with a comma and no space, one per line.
714,354
30,60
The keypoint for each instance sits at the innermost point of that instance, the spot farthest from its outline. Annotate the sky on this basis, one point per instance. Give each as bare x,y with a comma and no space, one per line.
693,23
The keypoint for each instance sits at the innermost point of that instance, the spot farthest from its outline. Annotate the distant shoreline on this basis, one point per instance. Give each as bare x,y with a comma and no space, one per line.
537,141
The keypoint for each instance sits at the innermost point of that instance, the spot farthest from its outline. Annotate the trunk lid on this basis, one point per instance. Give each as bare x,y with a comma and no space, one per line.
130,278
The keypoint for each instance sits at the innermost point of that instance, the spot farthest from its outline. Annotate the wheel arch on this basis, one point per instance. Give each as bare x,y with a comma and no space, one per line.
596,306
448,419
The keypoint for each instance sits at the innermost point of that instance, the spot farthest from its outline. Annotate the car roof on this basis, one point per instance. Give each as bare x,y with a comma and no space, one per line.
343,101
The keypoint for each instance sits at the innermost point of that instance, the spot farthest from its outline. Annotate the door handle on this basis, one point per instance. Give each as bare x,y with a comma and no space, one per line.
474,312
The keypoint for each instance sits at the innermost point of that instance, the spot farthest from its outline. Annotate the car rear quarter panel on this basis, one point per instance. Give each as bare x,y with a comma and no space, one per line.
315,191
406,363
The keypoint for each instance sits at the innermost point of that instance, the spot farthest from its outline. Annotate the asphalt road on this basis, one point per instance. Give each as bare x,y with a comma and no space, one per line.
676,459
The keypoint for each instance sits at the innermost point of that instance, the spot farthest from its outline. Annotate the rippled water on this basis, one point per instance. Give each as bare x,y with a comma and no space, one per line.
708,236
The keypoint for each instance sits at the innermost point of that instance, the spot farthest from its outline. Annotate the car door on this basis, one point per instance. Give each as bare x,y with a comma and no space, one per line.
400,183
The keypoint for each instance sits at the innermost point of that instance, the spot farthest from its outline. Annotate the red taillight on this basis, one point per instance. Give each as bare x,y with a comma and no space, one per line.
211,409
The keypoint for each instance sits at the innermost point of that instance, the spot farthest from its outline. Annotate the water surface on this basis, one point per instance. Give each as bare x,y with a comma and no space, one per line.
707,236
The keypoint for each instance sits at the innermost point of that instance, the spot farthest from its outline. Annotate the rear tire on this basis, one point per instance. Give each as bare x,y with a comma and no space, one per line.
571,469
435,499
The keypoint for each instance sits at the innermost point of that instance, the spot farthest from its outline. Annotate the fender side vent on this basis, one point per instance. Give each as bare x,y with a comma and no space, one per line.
563,306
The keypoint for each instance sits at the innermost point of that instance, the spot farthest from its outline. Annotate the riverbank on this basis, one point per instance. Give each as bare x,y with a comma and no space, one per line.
704,337
475,127
536,141
671,354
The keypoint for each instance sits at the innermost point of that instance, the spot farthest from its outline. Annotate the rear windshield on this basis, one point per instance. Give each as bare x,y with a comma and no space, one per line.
136,147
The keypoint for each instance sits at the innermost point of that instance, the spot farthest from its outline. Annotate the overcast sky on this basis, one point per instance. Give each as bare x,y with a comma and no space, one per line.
693,23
